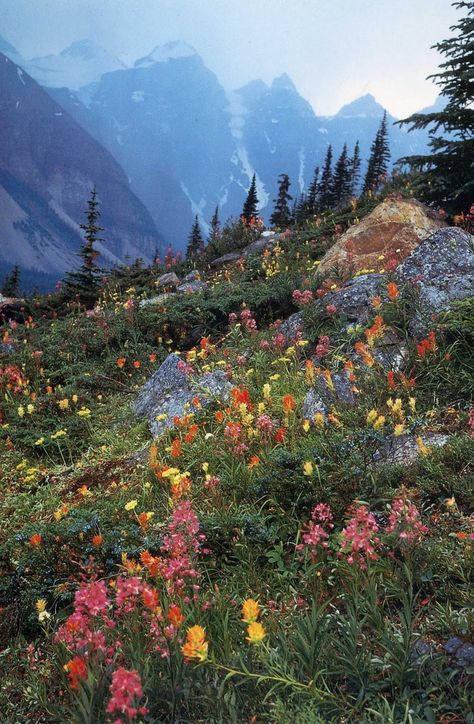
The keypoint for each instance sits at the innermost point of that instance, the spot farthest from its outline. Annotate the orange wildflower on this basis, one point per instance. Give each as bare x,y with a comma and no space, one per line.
392,291
375,330
196,645
219,416
391,380
150,598
280,435
120,362
137,364
376,302
191,433
77,671
254,461
176,449
150,562
36,540
152,357
289,403
97,540
250,610
175,616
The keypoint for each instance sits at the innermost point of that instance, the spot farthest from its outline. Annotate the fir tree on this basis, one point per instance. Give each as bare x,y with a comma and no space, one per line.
355,164
325,195
448,173
196,242
83,284
215,232
312,197
341,185
379,159
282,215
251,202
11,283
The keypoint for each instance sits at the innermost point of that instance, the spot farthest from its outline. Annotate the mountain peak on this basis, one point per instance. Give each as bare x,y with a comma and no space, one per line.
83,49
7,49
364,107
169,51
284,82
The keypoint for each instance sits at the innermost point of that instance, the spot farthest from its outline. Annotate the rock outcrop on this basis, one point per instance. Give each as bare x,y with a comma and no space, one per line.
394,228
442,271
169,392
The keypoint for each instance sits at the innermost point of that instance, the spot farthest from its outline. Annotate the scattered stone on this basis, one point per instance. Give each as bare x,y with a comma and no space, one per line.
442,268
291,326
191,287
463,652
226,259
421,649
394,228
390,351
353,301
322,396
158,299
193,276
167,280
404,450
169,392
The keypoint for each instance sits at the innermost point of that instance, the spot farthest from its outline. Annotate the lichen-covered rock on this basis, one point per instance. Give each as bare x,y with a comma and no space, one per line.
353,300
191,287
226,259
442,269
291,326
192,276
325,394
169,392
170,279
158,299
404,449
394,227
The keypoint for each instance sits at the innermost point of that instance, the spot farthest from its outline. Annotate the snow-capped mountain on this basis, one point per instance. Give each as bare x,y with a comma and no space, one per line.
7,49
79,64
189,146
48,165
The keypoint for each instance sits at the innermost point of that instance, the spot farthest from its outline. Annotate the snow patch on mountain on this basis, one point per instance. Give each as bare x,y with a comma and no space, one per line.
163,53
79,64
197,208
302,163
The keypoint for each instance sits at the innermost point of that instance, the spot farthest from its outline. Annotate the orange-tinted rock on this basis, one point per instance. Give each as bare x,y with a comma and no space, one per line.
390,232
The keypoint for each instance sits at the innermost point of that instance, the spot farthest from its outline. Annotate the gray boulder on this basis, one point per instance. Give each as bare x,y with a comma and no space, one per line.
404,450
167,280
193,276
226,258
158,299
169,392
354,299
191,287
291,326
321,396
442,268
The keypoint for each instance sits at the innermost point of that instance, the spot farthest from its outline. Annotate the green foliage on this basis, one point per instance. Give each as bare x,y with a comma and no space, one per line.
448,172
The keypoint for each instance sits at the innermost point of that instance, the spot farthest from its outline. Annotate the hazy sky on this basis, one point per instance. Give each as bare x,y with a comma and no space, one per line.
334,50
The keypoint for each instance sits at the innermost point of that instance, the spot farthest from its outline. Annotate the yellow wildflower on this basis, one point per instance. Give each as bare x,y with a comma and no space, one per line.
131,505
256,633
308,468
250,610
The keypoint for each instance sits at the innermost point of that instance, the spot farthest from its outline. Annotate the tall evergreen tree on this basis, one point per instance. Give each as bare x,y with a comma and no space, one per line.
196,242
11,283
448,173
282,215
379,159
83,284
341,185
215,227
251,202
325,195
355,164
312,196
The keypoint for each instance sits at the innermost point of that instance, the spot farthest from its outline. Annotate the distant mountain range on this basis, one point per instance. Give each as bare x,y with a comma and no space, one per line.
165,139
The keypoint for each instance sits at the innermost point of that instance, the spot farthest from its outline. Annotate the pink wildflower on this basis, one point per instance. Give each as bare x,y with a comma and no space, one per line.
126,690
404,520
359,539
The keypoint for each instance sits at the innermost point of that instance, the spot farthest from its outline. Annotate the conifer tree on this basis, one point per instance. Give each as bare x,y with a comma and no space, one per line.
215,227
251,202
355,164
448,173
282,215
83,284
379,159
325,195
196,242
341,185
312,196
11,283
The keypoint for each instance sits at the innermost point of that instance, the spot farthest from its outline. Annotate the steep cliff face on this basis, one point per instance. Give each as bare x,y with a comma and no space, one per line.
48,165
